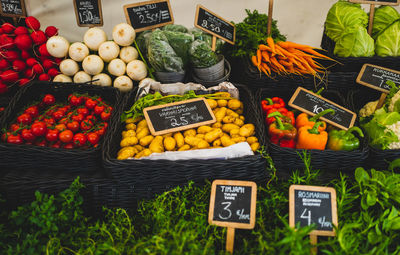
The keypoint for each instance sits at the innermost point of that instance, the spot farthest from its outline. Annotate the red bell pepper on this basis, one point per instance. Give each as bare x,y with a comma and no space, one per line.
282,134
288,116
270,103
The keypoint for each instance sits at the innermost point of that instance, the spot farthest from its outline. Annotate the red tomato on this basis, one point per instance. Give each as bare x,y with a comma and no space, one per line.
73,126
14,139
5,135
92,118
52,135
14,127
75,100
90,103
79,139
39,129
84,111
68,146
57,115
42,142
65,109
98,109
49,99
27,135
61,127
66,136
105,115
63,121
78,117
24,119
33,111
49,121
93,138
86,125
56,145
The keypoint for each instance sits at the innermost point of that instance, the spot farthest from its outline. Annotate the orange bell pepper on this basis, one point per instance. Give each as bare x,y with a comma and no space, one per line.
308,137
304,120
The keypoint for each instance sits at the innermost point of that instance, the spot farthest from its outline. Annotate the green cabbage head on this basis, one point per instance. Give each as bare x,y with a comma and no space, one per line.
354,42
343,15
384,16
388,42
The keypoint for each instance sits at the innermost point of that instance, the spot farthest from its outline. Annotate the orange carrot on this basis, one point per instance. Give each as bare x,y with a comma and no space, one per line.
258,57
276,63
271,44
266,68
264,47
254,61
265,56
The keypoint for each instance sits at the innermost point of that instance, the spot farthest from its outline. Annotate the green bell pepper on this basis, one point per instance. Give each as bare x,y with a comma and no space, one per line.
344,139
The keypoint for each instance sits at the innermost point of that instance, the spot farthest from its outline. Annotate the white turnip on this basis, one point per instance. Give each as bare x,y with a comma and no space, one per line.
128,53
69,67
108,51
78,51
117,67
62,78
123,83
94,37
136,70
82,77
93,64
102,79
57,46
123,34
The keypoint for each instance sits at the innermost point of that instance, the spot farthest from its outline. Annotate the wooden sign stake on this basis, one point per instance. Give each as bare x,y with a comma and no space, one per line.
214,43
270,7
230,239
371,18
381,101
313,241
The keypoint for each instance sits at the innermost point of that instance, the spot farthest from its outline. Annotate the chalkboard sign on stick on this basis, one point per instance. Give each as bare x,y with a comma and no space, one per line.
173,117
13,8
233,205
375,77
88,13
377,2
212,23
311,103
148,15
313,205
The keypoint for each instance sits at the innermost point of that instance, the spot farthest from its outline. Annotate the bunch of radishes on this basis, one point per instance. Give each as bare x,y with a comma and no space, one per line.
98,60
24,55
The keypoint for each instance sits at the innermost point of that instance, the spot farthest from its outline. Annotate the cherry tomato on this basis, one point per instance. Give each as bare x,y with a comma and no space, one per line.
49,99
65,109
86,125
2,109
27,135
49,121
98,109
41,143
92,118
79,117
84,111
75,100
33,111
57,115
5,136
50,112
63,121
68,146
93,138
66,136
79,139
39,129
90,103
14,139
61,127
24,119
73,125
102,129
105,115
52,135
56,145
14,127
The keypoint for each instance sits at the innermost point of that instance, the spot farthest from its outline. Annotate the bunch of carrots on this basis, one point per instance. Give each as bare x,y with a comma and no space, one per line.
288,58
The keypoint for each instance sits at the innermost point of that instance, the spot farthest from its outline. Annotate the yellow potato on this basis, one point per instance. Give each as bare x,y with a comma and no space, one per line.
128,133
144,141
167,135
228,127
133,120
217,125
226,141
217,143
130,152
222,102
229,112
142,123
142,133
203,145
138,147
144,153
180,141
130,126
189,132
213,135
228,119
241,117
129,141
219,115
252,139
157,144
234,132
247,130
238,122
239,139
192,141
212,103
234,104
129,149
255,146
184,147
201,136
204,129
169,143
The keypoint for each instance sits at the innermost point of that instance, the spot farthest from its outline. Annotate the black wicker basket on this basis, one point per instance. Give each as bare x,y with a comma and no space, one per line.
29,157
330,162
378,159
159,175
354,64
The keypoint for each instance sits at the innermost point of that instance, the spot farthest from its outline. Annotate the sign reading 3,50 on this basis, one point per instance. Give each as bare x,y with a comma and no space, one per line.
211,26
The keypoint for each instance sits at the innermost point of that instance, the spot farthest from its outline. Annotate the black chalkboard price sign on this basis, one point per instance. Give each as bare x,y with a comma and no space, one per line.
148,15
88,13
376,76
311,103
173,117
13,8
233,205
214,24
377,2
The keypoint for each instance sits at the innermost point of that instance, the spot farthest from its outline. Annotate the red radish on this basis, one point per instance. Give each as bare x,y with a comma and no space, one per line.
43,50
4,64
38,37
1,31
38,69
51,31
9,76
25,54
53,72
32,23
58,60
10,55
21,30
23,81
44,77
31,61
6,42
3,88
23,42
28,73
47,64
7,28
19,65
